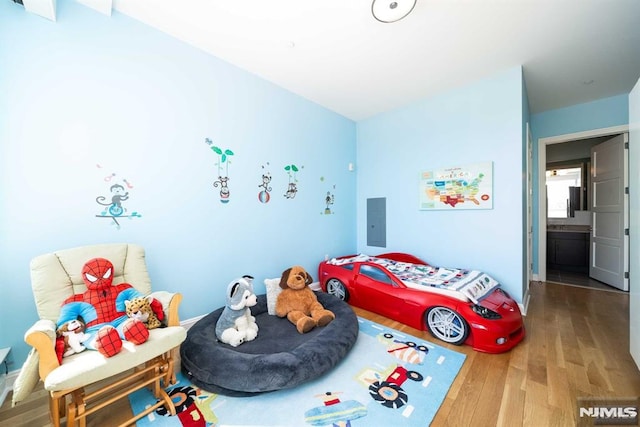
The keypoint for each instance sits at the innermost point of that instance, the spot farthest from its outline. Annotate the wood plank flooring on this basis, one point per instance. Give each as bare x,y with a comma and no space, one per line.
578,279
576,346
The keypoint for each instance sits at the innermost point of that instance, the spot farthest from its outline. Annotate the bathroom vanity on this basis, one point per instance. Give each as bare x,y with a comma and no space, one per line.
568,248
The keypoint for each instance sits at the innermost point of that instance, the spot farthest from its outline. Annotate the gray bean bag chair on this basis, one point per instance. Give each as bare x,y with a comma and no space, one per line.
278,358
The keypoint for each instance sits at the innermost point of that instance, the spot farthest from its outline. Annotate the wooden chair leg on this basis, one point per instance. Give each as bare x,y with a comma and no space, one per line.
82,416
77,409
56,411
155,374
170,377
71,415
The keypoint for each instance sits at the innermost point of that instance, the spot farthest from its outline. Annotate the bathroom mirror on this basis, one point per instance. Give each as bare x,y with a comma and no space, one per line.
564,191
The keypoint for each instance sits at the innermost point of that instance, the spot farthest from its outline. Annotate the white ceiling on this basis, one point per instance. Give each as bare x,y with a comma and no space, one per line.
333,52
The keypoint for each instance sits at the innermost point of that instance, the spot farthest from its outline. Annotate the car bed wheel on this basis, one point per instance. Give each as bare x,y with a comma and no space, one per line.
336,288
447,325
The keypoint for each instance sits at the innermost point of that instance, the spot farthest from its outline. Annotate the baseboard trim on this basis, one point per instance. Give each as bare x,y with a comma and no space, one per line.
188,323
3,388
524,306
6,384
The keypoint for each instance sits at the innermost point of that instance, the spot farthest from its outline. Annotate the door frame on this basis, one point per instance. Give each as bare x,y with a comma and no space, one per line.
542,200
529,207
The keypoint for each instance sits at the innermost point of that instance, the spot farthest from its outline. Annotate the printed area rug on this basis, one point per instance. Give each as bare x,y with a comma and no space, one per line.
387,379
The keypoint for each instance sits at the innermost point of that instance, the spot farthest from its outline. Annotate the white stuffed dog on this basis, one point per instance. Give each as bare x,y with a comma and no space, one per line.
74,336
236,324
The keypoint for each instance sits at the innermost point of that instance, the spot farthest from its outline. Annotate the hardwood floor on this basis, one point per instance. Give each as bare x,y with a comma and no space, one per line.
576,346
578,279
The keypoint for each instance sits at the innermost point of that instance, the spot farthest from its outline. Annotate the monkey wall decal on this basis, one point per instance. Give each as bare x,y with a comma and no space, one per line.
224,160
292,187
118,195
328,200
224,188
266,179
115,209
264,194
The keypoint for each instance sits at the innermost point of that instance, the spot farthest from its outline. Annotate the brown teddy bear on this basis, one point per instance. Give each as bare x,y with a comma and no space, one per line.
298,302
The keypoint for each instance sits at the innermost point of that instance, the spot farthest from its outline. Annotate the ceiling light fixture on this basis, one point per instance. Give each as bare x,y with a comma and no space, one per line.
391,11
47,8
44,8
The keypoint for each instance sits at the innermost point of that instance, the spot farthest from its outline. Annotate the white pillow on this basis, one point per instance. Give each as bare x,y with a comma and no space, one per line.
273,290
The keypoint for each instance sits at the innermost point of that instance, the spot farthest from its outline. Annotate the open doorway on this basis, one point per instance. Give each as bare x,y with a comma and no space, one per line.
565,241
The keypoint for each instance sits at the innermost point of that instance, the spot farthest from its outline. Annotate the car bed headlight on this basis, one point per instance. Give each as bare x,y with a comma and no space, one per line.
485,312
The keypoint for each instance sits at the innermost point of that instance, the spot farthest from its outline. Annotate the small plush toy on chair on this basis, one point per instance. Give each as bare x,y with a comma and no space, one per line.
142,308
72,335
236,324
299,303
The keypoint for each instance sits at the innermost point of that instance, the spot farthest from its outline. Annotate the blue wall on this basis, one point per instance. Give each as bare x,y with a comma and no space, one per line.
90,96
603,113
480,122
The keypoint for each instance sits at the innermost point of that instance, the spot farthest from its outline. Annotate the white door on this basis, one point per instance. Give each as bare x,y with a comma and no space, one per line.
609,206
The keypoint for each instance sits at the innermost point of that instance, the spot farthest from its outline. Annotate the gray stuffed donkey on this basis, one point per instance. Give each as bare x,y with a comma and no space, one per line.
236,324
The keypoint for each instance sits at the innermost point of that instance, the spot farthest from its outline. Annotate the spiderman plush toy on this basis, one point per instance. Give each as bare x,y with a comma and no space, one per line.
103,310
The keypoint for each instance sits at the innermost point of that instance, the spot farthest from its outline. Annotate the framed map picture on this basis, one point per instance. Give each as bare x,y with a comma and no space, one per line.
457,187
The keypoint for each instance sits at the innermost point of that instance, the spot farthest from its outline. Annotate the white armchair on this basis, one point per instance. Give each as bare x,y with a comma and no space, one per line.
55,277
